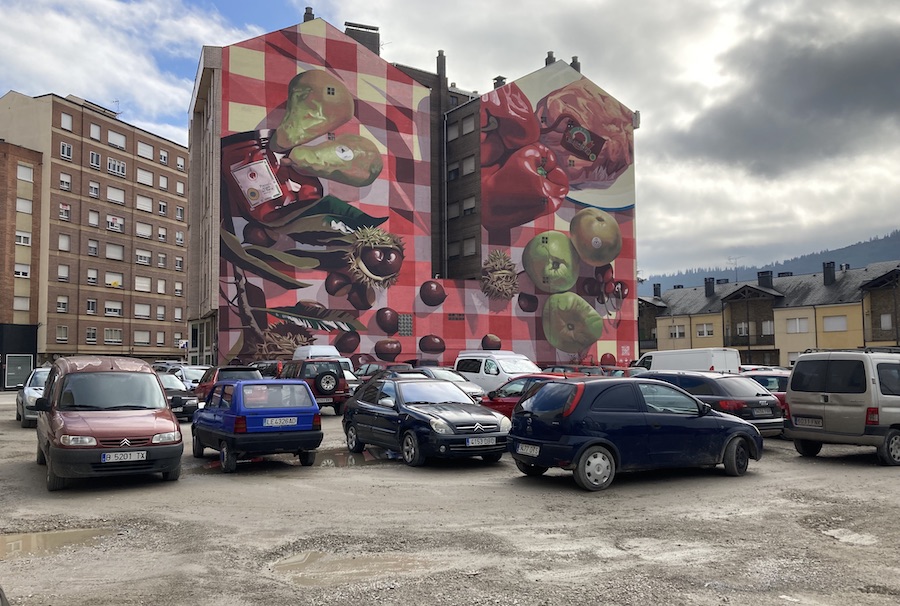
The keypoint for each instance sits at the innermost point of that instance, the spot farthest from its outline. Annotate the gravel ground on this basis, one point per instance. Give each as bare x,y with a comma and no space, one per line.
366,529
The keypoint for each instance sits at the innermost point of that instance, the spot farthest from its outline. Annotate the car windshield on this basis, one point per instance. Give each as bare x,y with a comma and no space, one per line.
741,387
509,365
448,375
432,392
282,395
192,374
111,391
38,378
172,382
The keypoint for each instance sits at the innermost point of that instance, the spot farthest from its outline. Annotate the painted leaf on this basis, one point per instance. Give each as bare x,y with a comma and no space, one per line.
317,318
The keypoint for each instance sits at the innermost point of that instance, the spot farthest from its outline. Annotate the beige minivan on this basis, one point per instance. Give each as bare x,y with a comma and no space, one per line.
845,397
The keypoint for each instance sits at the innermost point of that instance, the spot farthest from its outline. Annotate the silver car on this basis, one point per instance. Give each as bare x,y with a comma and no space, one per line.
30,391
474,391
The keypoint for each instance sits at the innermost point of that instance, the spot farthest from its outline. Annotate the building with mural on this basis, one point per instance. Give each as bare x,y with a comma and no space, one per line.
341,199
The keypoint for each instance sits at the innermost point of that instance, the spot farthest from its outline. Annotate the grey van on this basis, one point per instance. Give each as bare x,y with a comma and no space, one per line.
845,397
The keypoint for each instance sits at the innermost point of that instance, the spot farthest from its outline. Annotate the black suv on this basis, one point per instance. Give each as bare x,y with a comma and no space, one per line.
735,394
325,377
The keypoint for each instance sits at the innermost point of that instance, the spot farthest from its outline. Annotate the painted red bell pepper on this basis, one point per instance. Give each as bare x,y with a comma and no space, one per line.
507,123
528,185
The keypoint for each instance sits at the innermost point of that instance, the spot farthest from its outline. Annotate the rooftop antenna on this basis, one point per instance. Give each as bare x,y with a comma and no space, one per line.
733,261
118,111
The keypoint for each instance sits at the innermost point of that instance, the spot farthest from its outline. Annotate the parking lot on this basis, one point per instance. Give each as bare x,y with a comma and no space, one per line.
367,529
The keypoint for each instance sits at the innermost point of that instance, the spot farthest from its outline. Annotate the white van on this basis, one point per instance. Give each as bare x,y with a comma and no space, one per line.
721,359
492,368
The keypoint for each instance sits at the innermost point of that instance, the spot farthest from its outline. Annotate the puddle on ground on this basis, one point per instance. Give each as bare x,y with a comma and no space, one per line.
317,569
331,457
13,545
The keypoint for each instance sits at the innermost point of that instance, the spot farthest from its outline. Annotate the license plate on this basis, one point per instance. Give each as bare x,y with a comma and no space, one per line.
481,441
279,421
807,422
762,412
528,450
121,457
178,409
324,400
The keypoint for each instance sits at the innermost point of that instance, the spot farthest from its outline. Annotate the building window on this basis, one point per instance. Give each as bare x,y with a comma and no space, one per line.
23,206
62,273
62,304
176,337
453,131
179,289
179,238
142,337
22,270
163,157
179,263
743,329
142,257
453,250
163,208
468,165
23,238
114,223
143,230
179,213
161,260
179,163
142,311
676,331
116,167
116,252
179,188
704,330
143,284
94,189
95,160
163,182
468,124
797,325
91,307
65,242
162,234
115,195
834,323
160,338
113,279
468,247
160,287
65,211
25,173
160,312
90,334
95,132
65,151
468,206
145,150
768,328
144,177
143,203
116,139
65,181
453,171
112,336
91,276
21,303
113,308
886,322
93,218
62,334
178,314
454,101
65,121
453,210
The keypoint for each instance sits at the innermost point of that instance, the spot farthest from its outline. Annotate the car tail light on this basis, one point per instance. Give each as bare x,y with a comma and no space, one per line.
872,416
317,421
573,399
731,405
240,424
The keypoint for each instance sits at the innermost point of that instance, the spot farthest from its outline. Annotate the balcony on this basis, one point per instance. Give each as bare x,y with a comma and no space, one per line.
751,340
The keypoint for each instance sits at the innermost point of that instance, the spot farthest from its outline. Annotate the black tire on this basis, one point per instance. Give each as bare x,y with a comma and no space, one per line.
172,475
196,446
23,422
18,416
54,482
228,458
737,457
307,457
493,457
412,453
889,450
807,448
326,382
595,468
39,457
530,470
353,442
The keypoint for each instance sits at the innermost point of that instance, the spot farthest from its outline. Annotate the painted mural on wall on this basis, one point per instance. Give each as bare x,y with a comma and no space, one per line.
326,212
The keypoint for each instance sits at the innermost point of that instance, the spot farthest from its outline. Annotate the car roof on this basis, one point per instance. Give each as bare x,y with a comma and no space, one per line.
88,363
709,374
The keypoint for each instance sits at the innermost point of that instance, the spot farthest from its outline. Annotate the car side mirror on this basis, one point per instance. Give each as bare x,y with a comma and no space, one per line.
704,408
492,394
20,386
41,405
386,402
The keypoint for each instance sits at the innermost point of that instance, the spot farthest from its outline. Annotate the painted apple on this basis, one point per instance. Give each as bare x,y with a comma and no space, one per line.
596,236
551,261
570,323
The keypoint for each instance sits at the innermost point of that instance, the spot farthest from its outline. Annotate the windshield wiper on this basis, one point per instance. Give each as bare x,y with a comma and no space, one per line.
128,407
81,407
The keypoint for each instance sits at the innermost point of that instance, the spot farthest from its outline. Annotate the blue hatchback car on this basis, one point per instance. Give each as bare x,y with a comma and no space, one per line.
599,426
246,418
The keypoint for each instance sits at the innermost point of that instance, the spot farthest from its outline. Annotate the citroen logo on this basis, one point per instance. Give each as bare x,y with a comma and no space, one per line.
125,443
479,427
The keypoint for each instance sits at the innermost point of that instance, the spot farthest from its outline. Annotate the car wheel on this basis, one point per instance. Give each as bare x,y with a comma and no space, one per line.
326,382
737,457
228,458
889,450
23,422
54,482
39,457
307,457
173,475
196,447
492,457
531,470
595,469
807,448
353,443
412,454
18,415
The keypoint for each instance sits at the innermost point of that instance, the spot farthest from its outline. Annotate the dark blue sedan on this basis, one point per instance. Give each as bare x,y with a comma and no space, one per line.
598,426
423,417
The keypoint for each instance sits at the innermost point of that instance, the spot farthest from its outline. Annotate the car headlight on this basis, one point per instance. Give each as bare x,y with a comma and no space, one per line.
440,426
505,424
191,401
30,399
78,440
169,436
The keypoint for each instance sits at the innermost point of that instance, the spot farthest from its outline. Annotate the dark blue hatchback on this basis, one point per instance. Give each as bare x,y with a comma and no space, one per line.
599,426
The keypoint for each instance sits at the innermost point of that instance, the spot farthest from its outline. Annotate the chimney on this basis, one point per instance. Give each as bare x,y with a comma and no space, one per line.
499,81
550,58
576,65
722,281
828,273
308,15
785,274
367,35
764,279
678,286
710,285
657,290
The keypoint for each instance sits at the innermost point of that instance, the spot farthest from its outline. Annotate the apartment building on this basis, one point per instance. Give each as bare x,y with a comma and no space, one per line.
773,320
101,216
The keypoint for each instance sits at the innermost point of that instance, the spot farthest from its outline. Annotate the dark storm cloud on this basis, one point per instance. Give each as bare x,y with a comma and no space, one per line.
803,100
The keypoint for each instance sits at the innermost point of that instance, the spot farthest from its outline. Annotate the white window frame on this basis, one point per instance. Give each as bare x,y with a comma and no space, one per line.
144,177
23,238
90,335
64,243
112,309
142,337
163,182
91,307
65,182
62,273
117,140
143,284
21,303
113,279
96,159
92,275
24,206
142,311
65,211
179,213
94,189
142,257
115,252
796,326
94,218
116,195
834,323
62,333
116,167
95,132
112,336
25,172
65,150
22,270
144,150
62,304
65,121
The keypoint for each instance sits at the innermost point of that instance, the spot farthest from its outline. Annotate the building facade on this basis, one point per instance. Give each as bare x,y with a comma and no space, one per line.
105,230
343,199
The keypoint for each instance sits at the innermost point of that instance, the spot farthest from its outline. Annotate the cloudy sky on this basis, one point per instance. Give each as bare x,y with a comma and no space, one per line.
769,128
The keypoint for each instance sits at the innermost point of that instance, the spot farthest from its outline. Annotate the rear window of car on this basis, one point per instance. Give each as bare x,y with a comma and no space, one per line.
547,398
694,385
889,379
740,387
829,376
239,374
772,383
312,370
275,396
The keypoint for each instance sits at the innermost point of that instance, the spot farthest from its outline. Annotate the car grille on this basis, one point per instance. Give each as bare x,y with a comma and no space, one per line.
117,442
477,428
